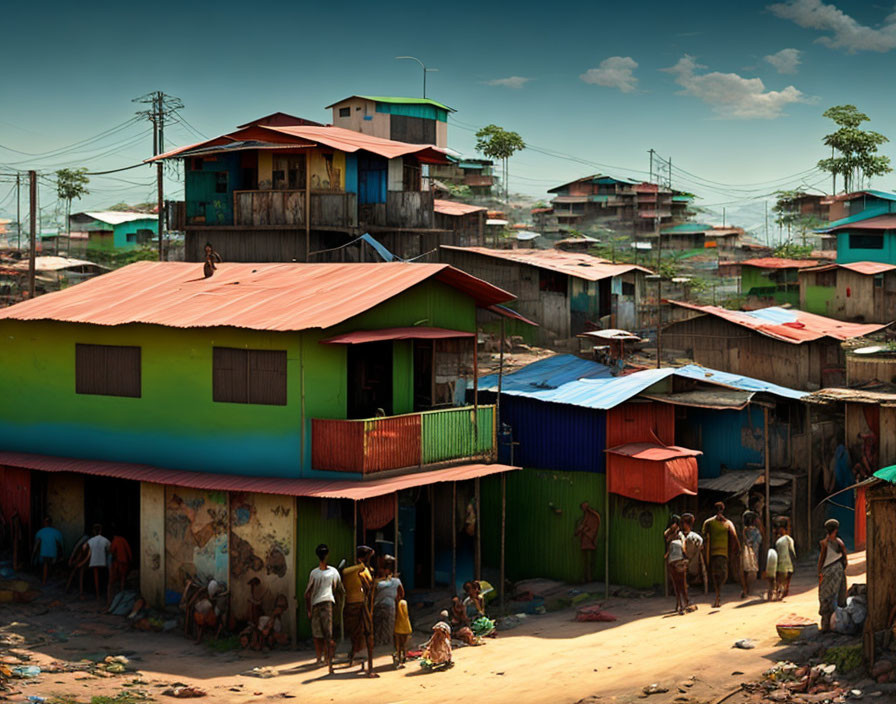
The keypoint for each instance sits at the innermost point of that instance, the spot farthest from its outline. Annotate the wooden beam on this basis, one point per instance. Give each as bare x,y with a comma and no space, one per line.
477,557
502,577
307,204
808,481
453,537
432,537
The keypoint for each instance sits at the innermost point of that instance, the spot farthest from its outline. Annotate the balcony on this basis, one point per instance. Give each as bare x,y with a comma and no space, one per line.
287,208
479,180
408,441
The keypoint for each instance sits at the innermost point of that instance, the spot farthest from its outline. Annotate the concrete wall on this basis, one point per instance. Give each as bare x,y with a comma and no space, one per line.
65,505
196,538
364,118
151,552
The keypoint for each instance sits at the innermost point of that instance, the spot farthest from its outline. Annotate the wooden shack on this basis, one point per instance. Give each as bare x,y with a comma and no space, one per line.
880,558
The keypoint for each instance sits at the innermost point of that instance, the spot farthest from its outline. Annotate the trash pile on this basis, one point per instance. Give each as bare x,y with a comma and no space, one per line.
788,682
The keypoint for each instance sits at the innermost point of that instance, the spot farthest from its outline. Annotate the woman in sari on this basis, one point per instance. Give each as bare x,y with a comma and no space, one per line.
437,650
480,624
831,574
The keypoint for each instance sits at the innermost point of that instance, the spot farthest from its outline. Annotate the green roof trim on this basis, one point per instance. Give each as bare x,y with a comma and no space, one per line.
682,199
686,228
888,474
406,101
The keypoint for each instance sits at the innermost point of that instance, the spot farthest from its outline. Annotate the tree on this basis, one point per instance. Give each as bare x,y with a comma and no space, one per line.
788,214
853,150
498,143
70,184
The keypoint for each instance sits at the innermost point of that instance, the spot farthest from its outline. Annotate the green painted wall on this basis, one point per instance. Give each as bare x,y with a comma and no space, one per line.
402,377
542,512
818,298
320,521
175,423
753,282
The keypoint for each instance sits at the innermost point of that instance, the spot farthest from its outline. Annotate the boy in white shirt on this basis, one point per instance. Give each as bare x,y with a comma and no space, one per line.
99,555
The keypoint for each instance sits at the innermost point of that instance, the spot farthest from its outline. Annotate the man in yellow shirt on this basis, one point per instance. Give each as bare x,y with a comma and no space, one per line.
358,614
719,540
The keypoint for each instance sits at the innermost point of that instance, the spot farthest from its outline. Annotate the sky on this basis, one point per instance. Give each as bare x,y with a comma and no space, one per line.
731,92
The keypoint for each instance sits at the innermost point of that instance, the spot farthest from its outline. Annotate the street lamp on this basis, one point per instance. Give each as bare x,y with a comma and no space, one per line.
423,66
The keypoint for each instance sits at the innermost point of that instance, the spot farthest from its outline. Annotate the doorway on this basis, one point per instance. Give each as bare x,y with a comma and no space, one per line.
113,502
370,380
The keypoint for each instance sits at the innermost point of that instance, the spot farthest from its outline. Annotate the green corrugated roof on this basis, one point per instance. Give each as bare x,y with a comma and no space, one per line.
406,101
685,228
888,474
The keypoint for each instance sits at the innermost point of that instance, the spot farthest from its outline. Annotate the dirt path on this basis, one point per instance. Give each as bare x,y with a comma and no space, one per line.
548,658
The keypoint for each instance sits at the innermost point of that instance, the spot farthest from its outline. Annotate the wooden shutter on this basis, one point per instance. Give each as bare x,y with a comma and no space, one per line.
267,377
230,383
108,370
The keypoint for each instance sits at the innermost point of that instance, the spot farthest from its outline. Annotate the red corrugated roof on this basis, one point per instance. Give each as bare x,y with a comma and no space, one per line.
882,222
779,263
653,452
450,207
327,135
868,268
319,488
797,326
281,297
416,333
578,264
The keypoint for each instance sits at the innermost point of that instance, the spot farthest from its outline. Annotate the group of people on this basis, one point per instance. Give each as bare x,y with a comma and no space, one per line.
371,603
721,543
109,561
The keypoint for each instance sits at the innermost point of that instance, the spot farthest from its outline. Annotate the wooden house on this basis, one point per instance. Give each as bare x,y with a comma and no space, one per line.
862,239
566,293
229,424
475,174
880,556
862,291
286,190
466,221
788,347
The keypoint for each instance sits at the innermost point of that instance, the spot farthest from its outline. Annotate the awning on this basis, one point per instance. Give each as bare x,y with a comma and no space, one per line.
315,488
414,333
506,312
733,483
651,472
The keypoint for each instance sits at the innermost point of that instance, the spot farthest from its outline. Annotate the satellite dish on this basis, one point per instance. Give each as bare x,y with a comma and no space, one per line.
874,349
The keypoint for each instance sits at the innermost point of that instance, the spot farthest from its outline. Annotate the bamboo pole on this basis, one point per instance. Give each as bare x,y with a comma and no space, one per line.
768,512
453,537
607,535
808,481
477,558
503,536
397,534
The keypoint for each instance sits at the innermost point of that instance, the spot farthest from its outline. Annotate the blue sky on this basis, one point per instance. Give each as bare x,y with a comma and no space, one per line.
600,82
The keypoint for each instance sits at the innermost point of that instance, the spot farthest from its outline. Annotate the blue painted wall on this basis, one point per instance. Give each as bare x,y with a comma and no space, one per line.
351,173
730,438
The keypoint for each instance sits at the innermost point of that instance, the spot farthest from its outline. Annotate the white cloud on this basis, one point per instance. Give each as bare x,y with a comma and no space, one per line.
785,61
845,32
614,72
731,95
509,82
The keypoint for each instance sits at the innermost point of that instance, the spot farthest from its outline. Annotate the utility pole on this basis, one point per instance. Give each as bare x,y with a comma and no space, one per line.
32,175
163,105
651,152
723,217
423,66
18,211
766,222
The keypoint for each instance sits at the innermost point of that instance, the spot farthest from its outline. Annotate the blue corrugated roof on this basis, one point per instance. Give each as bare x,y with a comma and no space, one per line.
773,314
568,379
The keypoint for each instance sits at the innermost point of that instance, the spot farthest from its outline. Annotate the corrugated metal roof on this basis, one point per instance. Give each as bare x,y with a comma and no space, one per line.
56,264
280,297
652,452
866,268
334,137
786,324
568,379
116,217
450,207
881,222
779,263
720,399
396,101
577,264
686,228
315,488
733,483
414,333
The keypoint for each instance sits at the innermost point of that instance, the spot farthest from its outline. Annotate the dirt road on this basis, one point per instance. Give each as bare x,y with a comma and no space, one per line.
548,658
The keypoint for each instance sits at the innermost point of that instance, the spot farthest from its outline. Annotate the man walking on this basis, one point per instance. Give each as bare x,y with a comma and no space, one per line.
48,544
719,540
324,584
99,552
358,614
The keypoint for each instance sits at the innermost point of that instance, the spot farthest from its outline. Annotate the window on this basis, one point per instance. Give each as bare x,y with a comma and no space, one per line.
866,241
249,376
221,182
132,237
345,112
826,278
107,370
878,281
628,289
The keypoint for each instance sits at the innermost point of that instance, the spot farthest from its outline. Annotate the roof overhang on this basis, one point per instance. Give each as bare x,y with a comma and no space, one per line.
359,337
316,488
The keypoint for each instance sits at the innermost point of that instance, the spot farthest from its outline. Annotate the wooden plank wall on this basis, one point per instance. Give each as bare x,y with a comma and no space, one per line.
409,209
248,245
881,555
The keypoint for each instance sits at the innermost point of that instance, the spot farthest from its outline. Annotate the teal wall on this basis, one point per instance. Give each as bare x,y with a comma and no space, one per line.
848,255
121,232
176,423
427,112
200,189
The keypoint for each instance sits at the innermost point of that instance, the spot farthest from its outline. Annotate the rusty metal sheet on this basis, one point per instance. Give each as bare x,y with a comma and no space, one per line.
450,207
414,333
577,264
278,297
319,488
779,263
652,452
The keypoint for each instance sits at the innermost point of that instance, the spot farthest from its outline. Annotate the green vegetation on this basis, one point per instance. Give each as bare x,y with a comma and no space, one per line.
792,250
116,259
846,657
856,158
70,184
497,143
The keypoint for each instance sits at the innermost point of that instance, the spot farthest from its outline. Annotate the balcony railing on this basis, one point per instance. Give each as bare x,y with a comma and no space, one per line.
478,180
287,207
398,442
